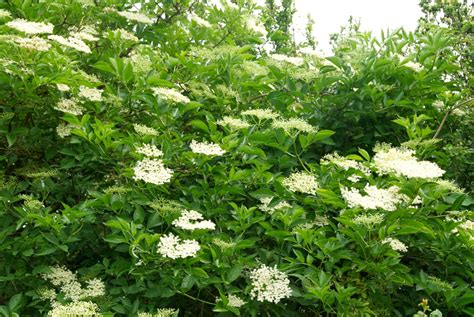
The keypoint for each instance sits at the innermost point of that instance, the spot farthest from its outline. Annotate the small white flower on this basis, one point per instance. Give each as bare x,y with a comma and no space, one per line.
235,301
27,27
402,161
193,220
71,42
173,247
33,43
149,150
386,199
265,206
302,182
152,171
69,106
126,35
269,284
4,14
91,94
136,16
396,244
63,87
170,95
233,123
293,124
206,148
261,114
144,130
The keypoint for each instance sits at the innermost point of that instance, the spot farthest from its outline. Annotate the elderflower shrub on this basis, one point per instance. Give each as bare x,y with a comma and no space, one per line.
224,195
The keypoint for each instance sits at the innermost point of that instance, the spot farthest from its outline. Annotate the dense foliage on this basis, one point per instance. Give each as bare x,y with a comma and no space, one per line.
157,160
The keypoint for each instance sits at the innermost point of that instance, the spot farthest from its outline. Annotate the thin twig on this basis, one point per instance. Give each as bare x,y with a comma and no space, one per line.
443,121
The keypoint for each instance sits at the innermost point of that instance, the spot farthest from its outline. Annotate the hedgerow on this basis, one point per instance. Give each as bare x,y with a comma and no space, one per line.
159,159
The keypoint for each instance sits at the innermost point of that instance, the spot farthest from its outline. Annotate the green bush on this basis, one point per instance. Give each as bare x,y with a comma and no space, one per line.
157,164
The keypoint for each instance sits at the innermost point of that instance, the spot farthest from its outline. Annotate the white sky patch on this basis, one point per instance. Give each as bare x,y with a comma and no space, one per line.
374,15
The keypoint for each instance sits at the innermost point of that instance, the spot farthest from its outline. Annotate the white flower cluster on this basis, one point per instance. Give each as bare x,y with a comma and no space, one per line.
70,287
344,163
368,220
4,14
33,43
152,171
206,148
173,247
396,244
126,35
92,94
302,182
294,124
386,199
254,25
413,65
265,206
141,62
402,162
28,27
170,94
64,130
149,150
467,225
235,301
63,87
297,61
200,21
136,16
72,42
69,106
85,33
261,114
144,130
233,123
269,284
77,308
193,220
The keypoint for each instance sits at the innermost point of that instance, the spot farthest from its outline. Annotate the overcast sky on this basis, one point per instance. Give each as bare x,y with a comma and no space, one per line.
375,15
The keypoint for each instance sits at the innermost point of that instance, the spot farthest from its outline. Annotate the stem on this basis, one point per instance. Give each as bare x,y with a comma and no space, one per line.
443,121
195,298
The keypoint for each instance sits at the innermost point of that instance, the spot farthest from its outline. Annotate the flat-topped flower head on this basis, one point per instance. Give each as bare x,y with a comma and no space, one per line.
152,171
71,42
193,220
396,244
171,95
136,16
33,43
69,106
149,150
269,284
76,308
92,94
206,148
173,247
375,198
402,161
302,182
292,124
233,123
261,114
144,130
28,27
